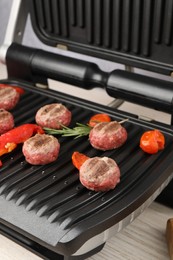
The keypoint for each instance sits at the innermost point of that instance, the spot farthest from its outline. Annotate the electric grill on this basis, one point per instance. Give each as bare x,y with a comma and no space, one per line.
45,208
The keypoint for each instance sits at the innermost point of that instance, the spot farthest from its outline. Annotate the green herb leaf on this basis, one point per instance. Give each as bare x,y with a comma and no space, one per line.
78,131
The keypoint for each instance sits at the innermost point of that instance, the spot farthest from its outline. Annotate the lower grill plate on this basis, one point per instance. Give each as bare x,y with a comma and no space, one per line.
48,204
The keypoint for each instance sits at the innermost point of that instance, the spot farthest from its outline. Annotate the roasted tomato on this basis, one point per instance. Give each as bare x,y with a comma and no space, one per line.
99,118
78,159
152,141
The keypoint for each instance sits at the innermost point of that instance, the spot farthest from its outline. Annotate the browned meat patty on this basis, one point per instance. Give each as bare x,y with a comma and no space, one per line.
53,116
107,136
9,98
6,121
41,149
99,174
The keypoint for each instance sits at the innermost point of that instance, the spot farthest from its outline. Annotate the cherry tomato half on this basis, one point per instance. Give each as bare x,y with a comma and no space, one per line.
99,118
78,159
152,141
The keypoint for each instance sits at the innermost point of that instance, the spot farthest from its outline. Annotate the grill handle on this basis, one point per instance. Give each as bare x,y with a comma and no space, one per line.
37,65
140,89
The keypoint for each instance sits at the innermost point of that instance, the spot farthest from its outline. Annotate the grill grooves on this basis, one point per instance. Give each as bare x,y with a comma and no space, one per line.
72,12
126,25
80,13
56,17
48,21
116,27
158,20
68,208
117,30
64,18
98,22
168,23
146,26
40,12
107,23
39,187
53,192
89,20
47,203
54,205
136,25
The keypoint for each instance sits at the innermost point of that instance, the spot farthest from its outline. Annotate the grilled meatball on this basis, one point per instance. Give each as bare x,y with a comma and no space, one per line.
53,116
99,174
6,121
107,136
9,98
41,149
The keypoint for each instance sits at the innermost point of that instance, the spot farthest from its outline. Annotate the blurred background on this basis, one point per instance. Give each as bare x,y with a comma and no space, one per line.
5,6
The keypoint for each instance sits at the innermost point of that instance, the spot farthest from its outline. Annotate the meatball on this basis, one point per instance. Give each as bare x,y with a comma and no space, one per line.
53,116
107,136
9,98
99,174
41,149
6,121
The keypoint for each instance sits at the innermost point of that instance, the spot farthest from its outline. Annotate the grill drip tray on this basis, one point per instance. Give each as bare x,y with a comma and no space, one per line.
46,207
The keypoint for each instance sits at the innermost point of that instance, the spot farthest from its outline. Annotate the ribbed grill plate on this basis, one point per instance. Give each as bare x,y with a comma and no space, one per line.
138,33
49,205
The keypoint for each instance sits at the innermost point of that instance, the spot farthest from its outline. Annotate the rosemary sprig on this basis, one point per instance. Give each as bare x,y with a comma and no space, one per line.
77,131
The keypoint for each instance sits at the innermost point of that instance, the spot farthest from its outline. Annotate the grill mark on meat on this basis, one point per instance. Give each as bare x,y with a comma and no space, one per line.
40,141
7,93
107,127
53,115
99,174
41,149
37,142
53,109
92,163
97,169
107,136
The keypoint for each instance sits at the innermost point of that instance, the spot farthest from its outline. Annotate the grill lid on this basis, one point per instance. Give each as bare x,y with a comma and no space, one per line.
49,205
136,33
